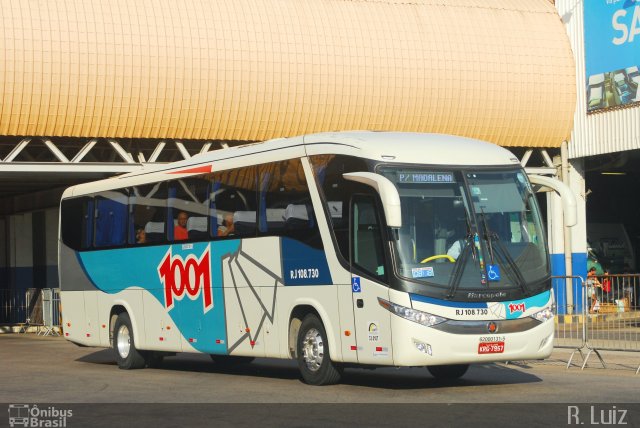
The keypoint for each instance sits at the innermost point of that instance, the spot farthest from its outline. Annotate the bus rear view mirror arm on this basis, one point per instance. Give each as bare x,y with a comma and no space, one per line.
569,204
387,191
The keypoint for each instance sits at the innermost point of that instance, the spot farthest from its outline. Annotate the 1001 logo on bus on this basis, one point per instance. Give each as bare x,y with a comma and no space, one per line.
191,277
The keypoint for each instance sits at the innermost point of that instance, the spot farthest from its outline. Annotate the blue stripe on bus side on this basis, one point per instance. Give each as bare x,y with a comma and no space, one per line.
447,303
113,271
512,309
303,265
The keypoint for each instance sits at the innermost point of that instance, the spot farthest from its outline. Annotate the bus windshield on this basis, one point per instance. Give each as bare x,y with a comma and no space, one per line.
468,230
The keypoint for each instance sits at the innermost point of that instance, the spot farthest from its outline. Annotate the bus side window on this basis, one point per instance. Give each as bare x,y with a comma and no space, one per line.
337,191
147,205
285,203
367,249
111,218
189,200
233,203
76,223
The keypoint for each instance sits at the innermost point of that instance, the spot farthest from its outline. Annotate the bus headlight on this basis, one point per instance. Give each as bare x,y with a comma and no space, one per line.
419,317
544,315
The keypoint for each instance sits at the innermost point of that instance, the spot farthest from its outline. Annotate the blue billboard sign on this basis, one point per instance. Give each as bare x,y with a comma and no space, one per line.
612,53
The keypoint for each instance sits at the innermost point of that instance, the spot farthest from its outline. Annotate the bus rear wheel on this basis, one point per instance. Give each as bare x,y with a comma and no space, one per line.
314,359
127,356
449,372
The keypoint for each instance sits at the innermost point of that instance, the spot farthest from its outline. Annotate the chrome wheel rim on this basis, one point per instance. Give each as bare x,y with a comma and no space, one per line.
313,349
124,341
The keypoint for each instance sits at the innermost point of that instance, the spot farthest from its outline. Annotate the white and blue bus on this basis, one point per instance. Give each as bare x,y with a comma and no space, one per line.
335,249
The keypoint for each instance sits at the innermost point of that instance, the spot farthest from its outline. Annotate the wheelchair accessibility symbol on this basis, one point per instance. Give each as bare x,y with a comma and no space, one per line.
355,284
493,273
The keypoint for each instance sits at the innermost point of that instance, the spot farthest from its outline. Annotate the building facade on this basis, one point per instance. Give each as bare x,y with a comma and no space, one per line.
604,150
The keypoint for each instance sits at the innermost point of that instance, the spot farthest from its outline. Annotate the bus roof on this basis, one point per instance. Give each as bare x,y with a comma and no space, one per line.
407,147
394,147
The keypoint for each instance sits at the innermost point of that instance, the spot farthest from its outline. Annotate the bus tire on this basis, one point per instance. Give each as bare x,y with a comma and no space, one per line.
127,356
314,359
230,360
448,372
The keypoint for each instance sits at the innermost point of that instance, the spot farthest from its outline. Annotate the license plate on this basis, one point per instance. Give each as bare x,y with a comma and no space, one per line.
491,348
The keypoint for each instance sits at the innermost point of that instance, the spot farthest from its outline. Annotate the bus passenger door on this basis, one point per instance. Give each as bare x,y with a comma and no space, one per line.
372,321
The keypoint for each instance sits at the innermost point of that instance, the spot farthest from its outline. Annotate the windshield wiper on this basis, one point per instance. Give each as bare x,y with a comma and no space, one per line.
460,265
505,258
486,234
503,255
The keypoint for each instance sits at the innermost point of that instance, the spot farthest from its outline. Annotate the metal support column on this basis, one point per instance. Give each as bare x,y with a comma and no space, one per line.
568,264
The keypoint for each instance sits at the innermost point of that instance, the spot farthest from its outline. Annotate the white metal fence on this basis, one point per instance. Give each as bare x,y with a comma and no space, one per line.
33,308
597,314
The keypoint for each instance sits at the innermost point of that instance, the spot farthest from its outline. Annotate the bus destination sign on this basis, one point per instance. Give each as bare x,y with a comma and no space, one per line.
426,177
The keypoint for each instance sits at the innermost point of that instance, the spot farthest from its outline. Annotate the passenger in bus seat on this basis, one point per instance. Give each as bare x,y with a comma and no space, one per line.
141,236
180,232
227,227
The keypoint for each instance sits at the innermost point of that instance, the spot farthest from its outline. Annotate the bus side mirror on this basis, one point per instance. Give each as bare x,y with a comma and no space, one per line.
387,191
569,204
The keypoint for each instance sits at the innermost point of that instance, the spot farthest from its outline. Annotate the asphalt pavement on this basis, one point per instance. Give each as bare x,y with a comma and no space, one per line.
191,390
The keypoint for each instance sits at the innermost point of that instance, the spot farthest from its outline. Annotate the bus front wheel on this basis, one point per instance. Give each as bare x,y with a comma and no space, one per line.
449,372
314,359
127,356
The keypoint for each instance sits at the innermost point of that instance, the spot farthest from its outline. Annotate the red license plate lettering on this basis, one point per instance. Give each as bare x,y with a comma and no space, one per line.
491,348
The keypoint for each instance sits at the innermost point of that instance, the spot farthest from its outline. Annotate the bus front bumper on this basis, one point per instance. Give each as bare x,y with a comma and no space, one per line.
418,345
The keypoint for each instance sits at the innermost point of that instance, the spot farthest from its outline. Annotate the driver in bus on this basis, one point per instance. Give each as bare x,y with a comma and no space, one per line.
458,245
456,248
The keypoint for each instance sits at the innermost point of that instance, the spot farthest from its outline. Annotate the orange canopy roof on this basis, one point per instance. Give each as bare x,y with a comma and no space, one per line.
498,70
